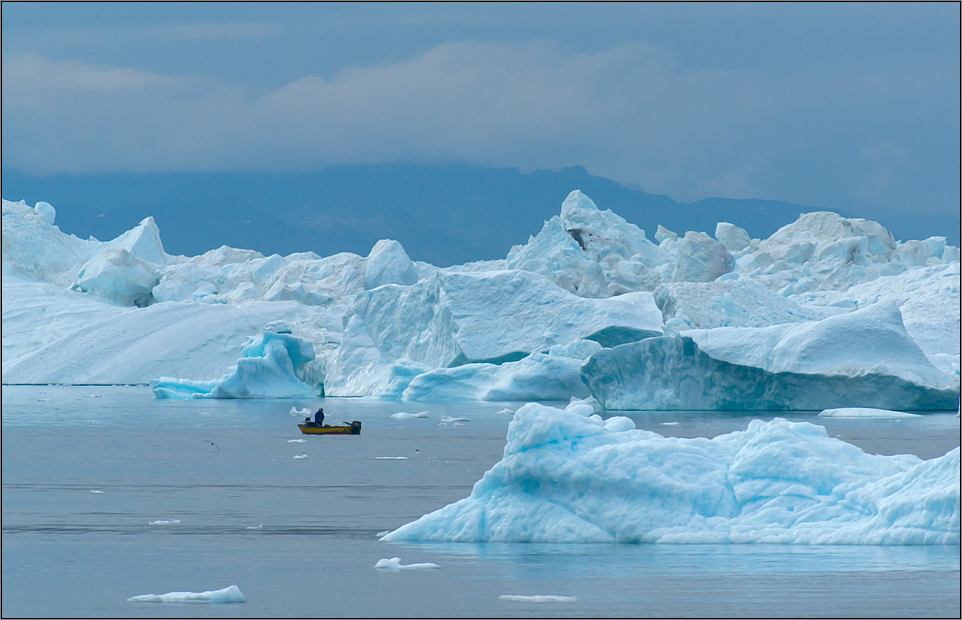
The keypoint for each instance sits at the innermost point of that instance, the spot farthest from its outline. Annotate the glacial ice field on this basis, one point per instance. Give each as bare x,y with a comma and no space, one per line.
827,313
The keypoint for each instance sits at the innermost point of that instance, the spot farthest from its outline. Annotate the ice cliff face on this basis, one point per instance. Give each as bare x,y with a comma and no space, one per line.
570,477
589,305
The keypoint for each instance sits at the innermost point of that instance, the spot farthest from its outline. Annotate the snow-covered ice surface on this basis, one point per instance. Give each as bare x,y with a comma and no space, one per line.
828,312
568,476
230,594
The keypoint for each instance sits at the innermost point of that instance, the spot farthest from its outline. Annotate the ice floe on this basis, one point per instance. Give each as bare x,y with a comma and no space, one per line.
568,476
230,594
395,564
865,412
404,415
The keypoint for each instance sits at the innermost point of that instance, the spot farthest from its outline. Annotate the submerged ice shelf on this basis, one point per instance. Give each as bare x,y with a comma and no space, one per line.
828,312
568,476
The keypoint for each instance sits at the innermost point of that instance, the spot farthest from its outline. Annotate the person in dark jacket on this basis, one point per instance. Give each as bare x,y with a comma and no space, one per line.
319,417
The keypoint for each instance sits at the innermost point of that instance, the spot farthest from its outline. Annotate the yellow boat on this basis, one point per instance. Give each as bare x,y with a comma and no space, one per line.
312,428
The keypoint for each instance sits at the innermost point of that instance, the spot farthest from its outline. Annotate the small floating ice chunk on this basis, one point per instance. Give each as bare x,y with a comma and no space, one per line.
384,533
507,411
538,598
296,440
670,423
255,527
231,594
300,456
395,564
403,415
865,412
96,491
390,458
165,522
445,420
296,411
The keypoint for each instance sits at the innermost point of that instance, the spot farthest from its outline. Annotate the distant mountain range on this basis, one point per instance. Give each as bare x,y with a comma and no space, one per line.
445,214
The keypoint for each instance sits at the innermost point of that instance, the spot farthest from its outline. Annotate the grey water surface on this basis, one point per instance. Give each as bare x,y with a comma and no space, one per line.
108,494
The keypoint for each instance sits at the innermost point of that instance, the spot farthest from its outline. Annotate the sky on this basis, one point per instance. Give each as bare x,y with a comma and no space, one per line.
849,106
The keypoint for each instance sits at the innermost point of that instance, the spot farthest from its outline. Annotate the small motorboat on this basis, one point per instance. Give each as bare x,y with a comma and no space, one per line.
313,428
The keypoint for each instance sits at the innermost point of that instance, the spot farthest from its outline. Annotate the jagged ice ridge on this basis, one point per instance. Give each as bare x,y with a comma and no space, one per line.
589,306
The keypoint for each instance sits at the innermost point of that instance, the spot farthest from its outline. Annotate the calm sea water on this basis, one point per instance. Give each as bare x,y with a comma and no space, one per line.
86,470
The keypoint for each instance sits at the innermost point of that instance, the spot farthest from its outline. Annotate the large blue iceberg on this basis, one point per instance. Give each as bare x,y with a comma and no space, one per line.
864,358
568,476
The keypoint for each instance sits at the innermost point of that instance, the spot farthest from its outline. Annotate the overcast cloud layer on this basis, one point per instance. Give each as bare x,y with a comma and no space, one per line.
867,127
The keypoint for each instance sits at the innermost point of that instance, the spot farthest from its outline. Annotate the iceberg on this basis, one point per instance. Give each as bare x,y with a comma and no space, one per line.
701,259
590,252
230,594
588,306
568,476
863,358
536,377
452,319
267,370
724,303
394,564
537,598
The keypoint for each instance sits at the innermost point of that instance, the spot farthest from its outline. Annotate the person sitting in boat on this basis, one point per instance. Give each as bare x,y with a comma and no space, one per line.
319,416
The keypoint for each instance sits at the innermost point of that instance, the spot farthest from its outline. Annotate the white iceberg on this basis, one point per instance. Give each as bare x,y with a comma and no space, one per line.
452,319
732,237
588,286
591,253
568,476
394,564
701,259
230,594
404,415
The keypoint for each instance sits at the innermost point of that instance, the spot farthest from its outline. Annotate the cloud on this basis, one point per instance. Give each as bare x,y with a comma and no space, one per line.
627,112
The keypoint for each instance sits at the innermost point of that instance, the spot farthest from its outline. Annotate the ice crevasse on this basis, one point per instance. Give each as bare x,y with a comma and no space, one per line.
568,476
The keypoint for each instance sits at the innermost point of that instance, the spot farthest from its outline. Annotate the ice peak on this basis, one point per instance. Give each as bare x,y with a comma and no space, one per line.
577,201
143,241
